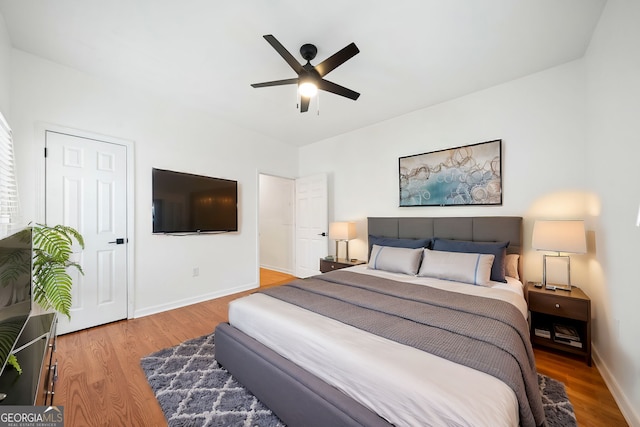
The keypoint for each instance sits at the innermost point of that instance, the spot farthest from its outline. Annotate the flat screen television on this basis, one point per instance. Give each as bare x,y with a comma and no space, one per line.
187,203
15,289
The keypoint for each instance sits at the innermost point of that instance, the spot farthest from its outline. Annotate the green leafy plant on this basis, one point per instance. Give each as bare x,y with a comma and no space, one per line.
52,249
15,283
13,361
9,330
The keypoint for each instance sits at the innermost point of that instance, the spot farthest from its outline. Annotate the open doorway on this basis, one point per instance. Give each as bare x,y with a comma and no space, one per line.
276,223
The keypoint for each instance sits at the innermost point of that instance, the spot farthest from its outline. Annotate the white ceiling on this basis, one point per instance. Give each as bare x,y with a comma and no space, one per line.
204,53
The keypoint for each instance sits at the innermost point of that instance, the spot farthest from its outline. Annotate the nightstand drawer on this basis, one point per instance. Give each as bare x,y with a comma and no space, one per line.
557,305
326,265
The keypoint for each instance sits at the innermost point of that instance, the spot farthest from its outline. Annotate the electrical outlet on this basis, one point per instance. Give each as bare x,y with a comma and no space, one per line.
196,271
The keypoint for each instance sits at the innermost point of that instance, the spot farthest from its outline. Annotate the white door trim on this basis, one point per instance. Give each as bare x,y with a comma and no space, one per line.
39,161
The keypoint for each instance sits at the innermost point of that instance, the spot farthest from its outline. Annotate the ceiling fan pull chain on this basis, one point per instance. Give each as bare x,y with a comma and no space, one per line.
318,104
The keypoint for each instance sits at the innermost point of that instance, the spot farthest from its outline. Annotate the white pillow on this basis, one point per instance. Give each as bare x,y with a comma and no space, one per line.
458,266
395,260
511,266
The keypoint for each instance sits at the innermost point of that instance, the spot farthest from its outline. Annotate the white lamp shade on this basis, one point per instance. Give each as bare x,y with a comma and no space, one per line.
560,236
342,230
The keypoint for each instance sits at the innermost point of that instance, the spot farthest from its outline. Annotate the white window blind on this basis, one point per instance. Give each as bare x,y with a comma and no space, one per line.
9,209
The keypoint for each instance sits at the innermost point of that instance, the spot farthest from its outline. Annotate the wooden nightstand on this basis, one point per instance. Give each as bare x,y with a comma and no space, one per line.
326,265
564,308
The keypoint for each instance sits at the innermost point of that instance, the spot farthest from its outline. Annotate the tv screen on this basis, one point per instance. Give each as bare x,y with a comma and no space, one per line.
187,203
15,289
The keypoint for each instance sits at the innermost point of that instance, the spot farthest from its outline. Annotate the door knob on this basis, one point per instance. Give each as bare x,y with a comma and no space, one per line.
322,234
119,241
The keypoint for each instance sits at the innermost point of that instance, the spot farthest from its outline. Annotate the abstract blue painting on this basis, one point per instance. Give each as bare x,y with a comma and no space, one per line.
469,175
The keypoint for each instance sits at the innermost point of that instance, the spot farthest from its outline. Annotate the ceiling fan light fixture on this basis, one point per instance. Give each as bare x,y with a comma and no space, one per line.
308,89
311,78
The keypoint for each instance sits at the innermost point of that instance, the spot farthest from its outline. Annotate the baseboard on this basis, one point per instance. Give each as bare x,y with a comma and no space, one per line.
189,301
628,411
278,269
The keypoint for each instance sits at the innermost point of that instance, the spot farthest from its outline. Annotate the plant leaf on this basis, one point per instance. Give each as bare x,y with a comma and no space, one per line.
13,361
51,280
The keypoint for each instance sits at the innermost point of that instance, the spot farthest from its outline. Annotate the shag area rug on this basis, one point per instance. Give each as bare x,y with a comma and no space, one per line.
194,390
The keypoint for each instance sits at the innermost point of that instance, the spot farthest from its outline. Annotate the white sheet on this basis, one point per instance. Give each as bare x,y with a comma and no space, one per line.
407,387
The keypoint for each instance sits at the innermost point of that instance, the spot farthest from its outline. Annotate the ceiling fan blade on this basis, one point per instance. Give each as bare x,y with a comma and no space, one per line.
276,83
304,104
293,62
337,59
337,89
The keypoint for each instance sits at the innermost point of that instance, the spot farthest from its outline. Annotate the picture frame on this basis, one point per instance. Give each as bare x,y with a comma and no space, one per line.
459,176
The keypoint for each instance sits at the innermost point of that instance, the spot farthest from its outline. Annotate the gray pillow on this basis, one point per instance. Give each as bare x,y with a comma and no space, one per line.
398,243
458,266
395,260
498,249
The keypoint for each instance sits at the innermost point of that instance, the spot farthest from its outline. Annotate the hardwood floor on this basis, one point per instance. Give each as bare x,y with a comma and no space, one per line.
101,383
593,403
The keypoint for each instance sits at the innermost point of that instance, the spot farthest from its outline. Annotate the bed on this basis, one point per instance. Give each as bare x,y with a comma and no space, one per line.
357,347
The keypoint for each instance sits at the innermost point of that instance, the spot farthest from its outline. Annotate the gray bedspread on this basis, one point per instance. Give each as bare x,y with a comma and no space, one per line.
482,333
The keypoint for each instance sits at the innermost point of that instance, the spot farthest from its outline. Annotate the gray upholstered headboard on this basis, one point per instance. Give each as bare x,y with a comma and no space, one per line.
475,228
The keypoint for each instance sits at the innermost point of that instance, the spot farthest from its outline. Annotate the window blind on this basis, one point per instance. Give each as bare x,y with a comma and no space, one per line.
9,209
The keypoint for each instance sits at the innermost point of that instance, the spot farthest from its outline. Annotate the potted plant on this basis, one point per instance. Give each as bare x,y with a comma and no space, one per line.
52,249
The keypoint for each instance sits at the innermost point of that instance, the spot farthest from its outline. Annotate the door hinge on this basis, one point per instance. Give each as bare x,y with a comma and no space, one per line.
45,151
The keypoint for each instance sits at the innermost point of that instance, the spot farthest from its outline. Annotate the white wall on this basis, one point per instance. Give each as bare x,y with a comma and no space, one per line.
277,223
165,136
5,72
613,91
540,119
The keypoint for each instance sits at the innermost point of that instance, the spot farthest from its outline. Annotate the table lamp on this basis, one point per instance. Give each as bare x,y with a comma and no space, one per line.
559,236
342,232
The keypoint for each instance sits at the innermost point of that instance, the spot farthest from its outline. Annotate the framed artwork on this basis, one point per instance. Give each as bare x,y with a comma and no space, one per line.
469,175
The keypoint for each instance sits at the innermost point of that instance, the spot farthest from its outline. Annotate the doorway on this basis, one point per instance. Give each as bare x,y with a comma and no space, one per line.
276,224
292,223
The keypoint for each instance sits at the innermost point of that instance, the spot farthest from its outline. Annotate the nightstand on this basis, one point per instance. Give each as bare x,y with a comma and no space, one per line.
326,265
572,309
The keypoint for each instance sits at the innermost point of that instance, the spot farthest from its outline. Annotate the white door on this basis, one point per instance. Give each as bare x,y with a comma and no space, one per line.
311,224
86,185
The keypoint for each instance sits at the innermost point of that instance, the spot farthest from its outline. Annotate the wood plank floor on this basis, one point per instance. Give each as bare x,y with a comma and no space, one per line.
101,383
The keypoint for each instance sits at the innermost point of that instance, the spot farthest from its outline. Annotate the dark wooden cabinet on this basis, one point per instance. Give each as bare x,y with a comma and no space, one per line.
35,351
330,265
549,308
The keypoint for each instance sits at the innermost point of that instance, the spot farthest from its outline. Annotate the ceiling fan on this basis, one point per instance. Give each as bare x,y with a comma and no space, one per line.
310,78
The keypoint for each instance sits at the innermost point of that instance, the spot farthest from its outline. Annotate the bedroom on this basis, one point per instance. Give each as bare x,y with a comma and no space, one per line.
575,120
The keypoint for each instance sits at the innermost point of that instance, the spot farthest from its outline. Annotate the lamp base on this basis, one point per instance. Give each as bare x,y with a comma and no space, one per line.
559,267
346,242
